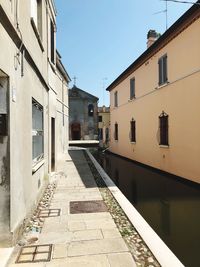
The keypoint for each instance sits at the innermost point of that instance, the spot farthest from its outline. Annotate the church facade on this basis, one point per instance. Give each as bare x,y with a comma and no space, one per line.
83,115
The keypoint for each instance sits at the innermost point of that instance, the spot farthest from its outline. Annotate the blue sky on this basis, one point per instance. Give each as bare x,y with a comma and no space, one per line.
98,39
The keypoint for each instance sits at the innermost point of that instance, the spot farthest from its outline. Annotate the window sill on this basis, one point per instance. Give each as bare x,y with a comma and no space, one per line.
37,34
162,85
164,146
38,165
132,99
53,66
133,143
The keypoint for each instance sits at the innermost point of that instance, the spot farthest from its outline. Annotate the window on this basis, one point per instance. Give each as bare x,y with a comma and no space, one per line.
116,131
100,134
116,99
100,118
162,69
37,132
132,133
132,88
39,16
36,14
90,110
163,124
52,36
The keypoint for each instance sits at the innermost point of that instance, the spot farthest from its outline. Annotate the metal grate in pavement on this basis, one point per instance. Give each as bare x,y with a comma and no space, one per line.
31,254
49,213
87,206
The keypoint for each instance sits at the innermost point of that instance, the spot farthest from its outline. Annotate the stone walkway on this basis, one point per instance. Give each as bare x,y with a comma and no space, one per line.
82,239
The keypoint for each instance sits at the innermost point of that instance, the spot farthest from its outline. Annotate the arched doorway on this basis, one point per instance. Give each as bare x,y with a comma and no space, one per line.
76,131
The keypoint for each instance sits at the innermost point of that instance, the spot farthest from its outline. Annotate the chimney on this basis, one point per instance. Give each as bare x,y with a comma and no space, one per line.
152,36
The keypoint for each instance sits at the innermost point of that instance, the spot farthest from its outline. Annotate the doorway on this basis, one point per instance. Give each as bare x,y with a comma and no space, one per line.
76,131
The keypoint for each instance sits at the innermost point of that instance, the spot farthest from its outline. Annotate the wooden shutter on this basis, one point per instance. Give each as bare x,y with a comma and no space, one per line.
116,99
133,139
164,130
116,131
165,69
160,71
132,88
52,43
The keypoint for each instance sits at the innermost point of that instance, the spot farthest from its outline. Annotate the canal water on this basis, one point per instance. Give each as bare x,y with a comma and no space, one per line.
170,205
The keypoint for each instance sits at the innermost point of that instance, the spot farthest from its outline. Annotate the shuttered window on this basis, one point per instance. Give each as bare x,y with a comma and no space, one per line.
132,132
116,99
163,121
52,36
132,88
162,70
116,131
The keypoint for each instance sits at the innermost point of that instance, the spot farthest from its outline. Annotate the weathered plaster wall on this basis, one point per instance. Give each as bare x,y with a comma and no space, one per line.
4,170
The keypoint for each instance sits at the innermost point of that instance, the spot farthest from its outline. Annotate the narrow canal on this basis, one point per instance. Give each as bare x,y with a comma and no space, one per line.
169,204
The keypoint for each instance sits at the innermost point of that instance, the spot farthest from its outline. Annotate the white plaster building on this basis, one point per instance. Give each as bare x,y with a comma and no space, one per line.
33,108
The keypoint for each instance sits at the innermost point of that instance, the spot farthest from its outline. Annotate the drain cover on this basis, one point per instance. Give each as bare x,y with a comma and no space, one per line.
87,206
31,254
49,213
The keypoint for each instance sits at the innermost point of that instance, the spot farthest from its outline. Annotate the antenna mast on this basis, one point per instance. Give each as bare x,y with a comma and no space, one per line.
166,13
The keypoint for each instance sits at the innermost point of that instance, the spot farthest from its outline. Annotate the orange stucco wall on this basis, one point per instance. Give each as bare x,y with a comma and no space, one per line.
179,98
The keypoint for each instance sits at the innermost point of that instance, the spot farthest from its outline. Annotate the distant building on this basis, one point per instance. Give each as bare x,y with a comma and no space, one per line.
104,125
154,103
83,115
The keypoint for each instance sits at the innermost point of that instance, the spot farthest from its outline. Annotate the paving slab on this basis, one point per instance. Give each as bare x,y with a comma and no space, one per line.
75,226
93,247
121,260
100,224
60,251
83,261
87,235
55,237
111,233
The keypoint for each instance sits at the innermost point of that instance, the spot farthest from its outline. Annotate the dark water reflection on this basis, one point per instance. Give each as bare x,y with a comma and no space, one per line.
169,204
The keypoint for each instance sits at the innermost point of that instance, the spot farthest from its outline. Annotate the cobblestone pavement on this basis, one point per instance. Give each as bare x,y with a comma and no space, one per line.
78,239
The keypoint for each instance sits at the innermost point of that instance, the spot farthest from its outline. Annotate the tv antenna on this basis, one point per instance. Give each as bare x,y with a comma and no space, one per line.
166,13
103,87
182,2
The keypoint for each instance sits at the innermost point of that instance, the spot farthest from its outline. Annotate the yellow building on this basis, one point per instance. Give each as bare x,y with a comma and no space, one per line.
155,110
104,126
